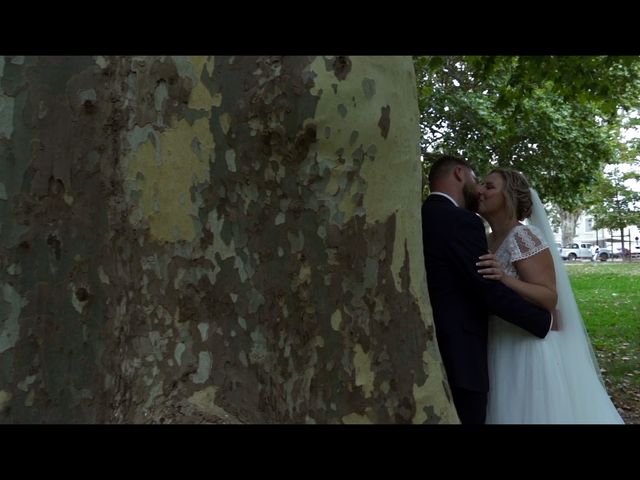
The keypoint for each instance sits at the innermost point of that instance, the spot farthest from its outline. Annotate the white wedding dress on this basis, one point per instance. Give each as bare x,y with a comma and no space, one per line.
550,380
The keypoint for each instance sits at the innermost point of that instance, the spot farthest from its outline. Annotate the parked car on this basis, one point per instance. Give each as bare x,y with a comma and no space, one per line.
622,252
573,251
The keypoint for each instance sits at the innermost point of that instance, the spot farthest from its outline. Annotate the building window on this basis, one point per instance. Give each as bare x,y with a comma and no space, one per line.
588,224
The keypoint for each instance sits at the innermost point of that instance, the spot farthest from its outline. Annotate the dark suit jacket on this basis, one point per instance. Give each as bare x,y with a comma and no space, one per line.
453,239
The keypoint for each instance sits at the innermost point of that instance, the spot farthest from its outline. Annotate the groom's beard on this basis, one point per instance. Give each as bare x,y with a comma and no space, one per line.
470,198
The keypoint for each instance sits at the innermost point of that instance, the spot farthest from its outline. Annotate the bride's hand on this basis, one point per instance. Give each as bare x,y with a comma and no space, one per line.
491,267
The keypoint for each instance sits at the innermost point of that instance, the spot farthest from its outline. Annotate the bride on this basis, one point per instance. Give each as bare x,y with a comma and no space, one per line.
532,380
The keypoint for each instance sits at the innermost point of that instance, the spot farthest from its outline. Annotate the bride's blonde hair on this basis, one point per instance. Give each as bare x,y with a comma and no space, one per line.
516,192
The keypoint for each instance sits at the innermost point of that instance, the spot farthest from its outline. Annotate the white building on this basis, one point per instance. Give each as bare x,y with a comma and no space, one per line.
585,233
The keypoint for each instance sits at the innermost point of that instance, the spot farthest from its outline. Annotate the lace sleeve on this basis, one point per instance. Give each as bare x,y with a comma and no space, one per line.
526,242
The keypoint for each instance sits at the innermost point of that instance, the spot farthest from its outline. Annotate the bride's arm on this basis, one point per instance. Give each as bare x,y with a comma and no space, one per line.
537,282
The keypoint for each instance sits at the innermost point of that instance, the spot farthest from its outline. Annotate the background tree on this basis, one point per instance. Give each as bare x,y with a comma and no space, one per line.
555,118
618,206
228,239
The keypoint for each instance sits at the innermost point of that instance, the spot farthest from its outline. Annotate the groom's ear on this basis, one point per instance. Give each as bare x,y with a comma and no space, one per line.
458,173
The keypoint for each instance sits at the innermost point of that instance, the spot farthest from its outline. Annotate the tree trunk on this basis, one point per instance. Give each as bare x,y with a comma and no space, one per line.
224,240
568,222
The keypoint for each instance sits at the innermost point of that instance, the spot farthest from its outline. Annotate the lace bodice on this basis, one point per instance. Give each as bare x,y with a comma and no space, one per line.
523,241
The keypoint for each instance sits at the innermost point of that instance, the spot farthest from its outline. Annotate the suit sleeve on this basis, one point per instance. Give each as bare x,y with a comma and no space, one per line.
466,246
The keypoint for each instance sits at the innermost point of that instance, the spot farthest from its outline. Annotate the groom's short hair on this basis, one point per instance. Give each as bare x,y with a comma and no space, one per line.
443,166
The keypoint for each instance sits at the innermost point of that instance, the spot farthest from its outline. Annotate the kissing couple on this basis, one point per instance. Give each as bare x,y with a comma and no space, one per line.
511,337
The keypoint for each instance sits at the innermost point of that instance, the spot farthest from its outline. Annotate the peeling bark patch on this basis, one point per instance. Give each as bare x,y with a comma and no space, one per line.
7,105
104,278
5,399
205,401
54,242
356,419
14,269
204,331
385,121
82,294
79,298
204,368
296,242
230,157
341,67
369,88
431,405
336,320
201,97
160,95
177,354
364,374
170,211
10,310
24,384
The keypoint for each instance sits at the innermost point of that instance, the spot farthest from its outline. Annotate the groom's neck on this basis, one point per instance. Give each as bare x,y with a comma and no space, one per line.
452,192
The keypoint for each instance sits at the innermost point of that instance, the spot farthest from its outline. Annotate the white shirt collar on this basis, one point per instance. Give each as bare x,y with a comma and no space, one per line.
445,195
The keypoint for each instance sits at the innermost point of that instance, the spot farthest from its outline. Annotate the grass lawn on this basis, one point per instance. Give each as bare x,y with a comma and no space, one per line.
608,294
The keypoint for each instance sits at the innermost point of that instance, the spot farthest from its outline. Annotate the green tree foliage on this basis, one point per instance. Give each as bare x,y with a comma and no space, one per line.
617,206
555,118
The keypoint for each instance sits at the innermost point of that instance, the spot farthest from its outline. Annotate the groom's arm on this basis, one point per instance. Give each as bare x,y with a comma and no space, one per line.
467,244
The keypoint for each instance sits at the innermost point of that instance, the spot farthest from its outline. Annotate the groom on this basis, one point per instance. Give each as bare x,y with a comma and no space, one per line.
453,238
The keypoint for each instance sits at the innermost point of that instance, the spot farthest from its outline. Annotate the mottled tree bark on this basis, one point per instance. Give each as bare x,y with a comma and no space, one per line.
224,240
568,221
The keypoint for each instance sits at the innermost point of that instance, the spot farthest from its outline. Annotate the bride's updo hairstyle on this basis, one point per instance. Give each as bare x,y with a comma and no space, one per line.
516,192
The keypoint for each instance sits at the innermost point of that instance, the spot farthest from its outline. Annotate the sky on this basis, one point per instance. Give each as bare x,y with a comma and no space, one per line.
632,184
